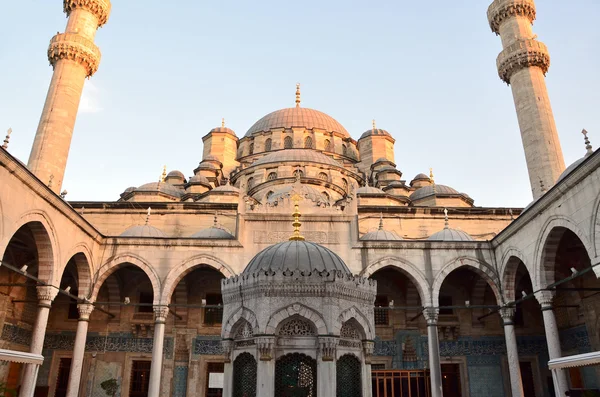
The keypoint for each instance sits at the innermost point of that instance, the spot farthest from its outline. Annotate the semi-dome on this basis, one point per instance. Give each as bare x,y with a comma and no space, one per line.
298,117
143,231
296,155
369,190
427,191
213,232
161,187
296,255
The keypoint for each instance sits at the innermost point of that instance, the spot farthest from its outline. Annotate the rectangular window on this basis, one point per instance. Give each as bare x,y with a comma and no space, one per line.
213,315
140,379
214,379
446,301
382,314
146,300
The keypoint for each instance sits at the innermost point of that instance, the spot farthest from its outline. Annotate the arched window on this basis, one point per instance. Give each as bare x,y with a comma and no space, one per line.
296,326
296,375
308,143
348,377
268,145
250,183
322,176
327,146
288,143
270,194
298,174
344,150
325,196
244,376
251,151
345,185
271,176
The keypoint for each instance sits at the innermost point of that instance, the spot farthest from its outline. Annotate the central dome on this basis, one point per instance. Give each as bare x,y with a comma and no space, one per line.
296,255
298,117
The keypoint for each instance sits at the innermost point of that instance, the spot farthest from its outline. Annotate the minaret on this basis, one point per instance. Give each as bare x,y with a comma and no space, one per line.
74,56
523,64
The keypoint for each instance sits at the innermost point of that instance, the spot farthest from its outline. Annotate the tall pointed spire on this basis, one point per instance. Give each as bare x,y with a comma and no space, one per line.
298,95
588,145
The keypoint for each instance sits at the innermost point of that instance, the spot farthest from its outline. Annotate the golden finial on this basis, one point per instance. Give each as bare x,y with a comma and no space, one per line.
148,215
5,145
164,174
296,198
374,125
223,122
588,145
298,95
431,175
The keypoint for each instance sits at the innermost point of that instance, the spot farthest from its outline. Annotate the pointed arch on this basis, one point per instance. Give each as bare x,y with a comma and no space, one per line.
288,142
547,244
180,271
359,317
268,144
510,264
483,269
122,260
308,142
406,268
242,313
327,145
296,309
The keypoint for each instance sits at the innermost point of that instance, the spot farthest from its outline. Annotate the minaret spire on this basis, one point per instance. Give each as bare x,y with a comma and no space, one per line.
5,144
446,222
588,145
223,122
296,198
298,95
523,64
74,57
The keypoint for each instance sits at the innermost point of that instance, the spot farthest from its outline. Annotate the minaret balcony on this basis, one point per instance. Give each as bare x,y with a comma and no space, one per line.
522,54
500,10
100,8
76,48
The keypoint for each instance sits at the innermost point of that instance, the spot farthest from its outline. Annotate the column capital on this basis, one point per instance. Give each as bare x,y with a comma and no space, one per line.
368,350
431,314
160,313
507,314
545,299
265,345
46,294
227,347
85,310
328,347
100,8
500,10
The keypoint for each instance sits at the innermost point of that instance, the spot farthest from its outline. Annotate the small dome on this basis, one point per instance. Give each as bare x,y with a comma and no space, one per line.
213,232
380,235
421,176
296,155
226,189
369,190
143,231
570,168
210,157
387,168
199,179
395,184
375,132
297,117
206,165
427,191
223,129
175,176
448,234
296,255
382,160
161,187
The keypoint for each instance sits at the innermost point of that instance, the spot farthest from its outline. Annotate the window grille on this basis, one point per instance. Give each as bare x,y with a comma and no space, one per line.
213,315
323,176
327,146
288,143
348,376
271,176
308,143
296,375
296,327
268,143
244,376
251,151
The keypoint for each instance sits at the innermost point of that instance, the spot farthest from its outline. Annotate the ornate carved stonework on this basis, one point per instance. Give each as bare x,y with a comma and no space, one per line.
507,314
100,8
368,349
85,310
431,314
522,54
264,345
227,346
273,237
500,10
328,346
545,299
160,313
46,294
75,48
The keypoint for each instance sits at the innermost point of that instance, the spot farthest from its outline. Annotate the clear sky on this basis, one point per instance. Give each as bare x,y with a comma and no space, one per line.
425,70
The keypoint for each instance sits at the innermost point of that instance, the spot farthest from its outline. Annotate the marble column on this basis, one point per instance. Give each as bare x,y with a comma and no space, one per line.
431,315
160,318
368,348
265,371
85,309
326,370
559,377
516,383
227,346
45,295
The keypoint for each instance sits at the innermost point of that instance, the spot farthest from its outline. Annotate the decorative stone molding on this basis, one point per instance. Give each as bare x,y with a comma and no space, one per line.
265,345
328,347
76,48
500,10
46,294
507,314
100,8
227,346
160,314
368,349
522,54
85,310
431,314
545,299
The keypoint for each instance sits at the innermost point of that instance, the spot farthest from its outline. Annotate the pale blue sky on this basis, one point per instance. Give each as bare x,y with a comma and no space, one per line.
424,70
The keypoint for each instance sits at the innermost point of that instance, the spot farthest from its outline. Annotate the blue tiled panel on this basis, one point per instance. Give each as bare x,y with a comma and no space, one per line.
180,381
485,376
207,345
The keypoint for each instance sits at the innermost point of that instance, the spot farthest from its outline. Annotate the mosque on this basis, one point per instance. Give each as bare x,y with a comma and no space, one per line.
298,260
